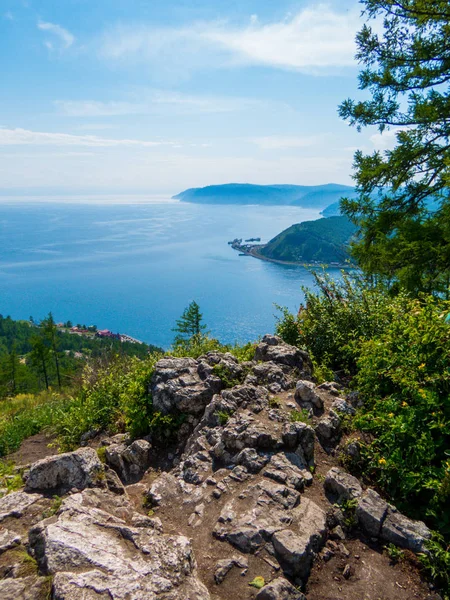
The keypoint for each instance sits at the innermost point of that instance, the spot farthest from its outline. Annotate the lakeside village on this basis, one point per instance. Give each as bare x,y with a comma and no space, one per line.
92,331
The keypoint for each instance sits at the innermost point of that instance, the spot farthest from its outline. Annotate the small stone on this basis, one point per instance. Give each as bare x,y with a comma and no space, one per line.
347,571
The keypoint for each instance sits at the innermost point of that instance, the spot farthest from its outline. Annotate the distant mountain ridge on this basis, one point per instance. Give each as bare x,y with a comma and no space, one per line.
305,196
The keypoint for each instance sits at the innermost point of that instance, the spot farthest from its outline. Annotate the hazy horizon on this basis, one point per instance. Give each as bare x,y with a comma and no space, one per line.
133,98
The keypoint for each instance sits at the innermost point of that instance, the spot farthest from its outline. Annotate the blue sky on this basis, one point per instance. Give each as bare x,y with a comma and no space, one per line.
154,96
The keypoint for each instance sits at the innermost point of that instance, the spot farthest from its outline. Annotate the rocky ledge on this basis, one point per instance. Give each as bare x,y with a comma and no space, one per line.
252,502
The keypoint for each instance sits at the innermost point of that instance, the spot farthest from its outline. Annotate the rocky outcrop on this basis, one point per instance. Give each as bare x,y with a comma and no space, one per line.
375,516
90,547
183,385
237,490
273,349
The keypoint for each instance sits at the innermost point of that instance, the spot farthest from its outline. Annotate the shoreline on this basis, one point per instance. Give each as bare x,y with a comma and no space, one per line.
252,251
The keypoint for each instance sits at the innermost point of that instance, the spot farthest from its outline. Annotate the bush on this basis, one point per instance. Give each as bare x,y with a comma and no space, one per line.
404,379
114,396
337,318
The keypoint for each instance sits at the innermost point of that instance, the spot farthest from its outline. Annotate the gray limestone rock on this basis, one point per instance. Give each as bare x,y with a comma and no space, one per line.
79,469
280,589
271,375
342,485
307,397
15,504
129,462
183,384
8,539
406,533
272,348
93,549
295,548
371,512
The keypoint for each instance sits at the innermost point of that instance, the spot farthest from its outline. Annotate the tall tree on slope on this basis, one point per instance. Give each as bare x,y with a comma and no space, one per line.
403,206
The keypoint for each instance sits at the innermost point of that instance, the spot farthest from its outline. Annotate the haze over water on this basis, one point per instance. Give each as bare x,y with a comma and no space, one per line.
133,268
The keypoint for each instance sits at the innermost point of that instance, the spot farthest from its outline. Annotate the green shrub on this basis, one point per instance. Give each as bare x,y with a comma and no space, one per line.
404,379
301,416
337,318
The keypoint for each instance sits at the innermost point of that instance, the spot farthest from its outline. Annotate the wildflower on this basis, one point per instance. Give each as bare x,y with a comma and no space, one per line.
382,461
390,415
404,404
422,366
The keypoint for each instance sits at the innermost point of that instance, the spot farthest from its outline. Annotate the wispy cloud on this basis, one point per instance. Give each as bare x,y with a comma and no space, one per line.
386,140
155,101
313,40
64,38
20,137
279,142
8,16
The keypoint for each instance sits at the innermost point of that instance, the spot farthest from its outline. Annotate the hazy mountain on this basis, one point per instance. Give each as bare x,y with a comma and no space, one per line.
314,196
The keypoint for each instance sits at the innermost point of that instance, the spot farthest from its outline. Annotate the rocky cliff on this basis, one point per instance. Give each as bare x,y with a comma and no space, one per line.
251,502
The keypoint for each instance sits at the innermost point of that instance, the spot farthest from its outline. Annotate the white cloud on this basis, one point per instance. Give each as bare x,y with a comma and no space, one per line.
315,39
155,101
279,142
64,36
386,140
8,16
20,137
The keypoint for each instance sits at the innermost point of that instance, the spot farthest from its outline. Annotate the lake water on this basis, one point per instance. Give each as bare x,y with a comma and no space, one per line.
133,268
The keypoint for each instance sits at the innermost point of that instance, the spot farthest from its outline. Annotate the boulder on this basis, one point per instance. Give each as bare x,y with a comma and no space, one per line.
129,462
223,567
280,589
328,430
164,490
289,469
307,397
272,348
15,504
342,485
371,512
406,533
183,385
94,550
79,469
299,437
296,548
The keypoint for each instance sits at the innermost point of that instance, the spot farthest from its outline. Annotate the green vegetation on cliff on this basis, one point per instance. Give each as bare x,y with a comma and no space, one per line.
323,241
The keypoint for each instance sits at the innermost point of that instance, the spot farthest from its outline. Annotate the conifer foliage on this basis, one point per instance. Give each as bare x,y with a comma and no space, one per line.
403,206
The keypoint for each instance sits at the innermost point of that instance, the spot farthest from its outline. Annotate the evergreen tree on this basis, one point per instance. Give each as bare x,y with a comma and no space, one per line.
403,206
190,323
50,332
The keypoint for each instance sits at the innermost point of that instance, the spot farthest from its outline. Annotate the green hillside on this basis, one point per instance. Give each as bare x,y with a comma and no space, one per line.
324,240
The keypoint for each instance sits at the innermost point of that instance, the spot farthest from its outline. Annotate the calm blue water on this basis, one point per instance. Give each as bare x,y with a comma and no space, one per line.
134,268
